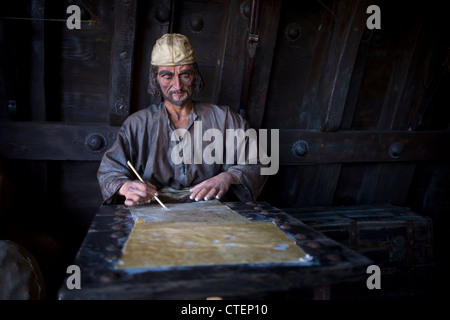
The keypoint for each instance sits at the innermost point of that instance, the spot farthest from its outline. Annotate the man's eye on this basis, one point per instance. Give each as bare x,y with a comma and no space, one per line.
167,78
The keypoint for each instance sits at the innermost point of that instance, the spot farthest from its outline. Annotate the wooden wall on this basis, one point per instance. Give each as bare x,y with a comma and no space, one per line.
363,114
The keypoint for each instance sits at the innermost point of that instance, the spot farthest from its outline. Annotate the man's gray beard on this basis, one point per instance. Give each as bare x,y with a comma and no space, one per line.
178,103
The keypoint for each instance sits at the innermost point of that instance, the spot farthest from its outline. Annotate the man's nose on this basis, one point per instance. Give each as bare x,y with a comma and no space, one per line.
176,84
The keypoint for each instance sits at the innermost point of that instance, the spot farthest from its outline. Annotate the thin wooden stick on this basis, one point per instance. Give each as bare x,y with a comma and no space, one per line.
139,177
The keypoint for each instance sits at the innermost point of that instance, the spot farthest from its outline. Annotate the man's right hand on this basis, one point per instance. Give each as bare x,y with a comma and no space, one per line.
136,192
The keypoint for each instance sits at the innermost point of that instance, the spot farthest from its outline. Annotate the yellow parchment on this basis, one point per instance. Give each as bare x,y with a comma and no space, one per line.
212,210
165,244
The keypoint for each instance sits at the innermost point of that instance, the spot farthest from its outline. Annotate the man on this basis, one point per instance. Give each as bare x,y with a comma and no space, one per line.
146,138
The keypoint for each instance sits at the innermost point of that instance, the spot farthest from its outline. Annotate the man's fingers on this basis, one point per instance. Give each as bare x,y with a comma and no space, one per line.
211,194
220,194
137,192
207,193
200,194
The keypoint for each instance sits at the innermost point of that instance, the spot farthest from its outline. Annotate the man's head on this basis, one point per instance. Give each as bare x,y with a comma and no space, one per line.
174,72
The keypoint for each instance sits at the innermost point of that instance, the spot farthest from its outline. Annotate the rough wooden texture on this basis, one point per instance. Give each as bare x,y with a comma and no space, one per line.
109,231
389,235
396,239
59,141
122,57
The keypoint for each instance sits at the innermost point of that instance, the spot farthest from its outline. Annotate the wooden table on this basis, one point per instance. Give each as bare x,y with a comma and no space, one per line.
102,247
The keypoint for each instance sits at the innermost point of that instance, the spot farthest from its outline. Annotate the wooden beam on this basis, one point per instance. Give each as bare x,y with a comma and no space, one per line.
122,57
55,140
347,31
364,146
259,85
61,141
228,75
37,73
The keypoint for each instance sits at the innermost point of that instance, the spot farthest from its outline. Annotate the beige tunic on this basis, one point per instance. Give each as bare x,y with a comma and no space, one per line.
145,140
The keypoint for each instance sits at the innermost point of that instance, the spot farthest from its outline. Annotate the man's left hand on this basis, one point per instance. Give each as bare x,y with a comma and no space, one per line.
215,187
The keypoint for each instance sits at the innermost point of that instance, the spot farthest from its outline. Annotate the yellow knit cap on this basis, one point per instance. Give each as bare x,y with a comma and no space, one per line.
172,49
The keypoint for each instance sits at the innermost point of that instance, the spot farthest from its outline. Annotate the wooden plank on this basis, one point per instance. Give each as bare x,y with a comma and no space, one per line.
259,85
63,141
391,182
228,75
347,32
356,80
393,110
37,74
122,57
364,146
77,68
386,183
300,186
55,141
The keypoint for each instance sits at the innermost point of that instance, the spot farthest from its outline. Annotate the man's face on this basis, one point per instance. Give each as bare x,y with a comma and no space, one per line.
176,83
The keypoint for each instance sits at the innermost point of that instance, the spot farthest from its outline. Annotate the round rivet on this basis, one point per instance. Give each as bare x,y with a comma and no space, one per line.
196,23
162,14
293,32
300,148
96,142
396,149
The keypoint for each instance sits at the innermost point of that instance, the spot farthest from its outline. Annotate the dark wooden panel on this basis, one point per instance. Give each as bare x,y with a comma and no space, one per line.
334,80
37,74
386,183
59,141
55,141
122,57
79,204
269,21
299,186
363,183
287,104
363,146
77,63
229,74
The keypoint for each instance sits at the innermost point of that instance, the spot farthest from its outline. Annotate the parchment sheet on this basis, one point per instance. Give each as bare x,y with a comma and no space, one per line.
166,244
212,210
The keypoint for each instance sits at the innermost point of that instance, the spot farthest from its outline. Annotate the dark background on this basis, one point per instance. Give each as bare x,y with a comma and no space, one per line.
372,106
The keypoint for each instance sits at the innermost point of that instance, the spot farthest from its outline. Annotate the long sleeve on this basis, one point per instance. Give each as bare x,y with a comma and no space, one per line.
113,171
146,138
